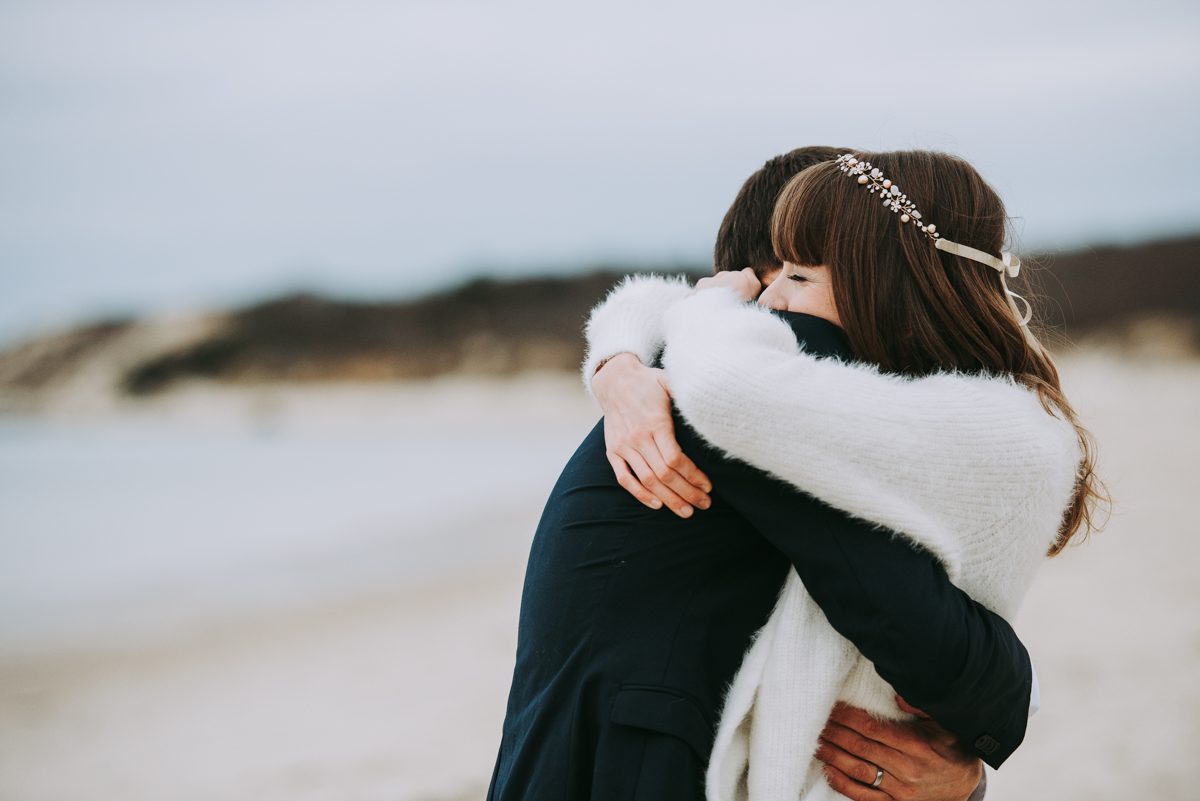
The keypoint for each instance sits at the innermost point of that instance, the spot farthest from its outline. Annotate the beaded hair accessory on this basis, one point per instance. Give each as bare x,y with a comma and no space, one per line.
898,202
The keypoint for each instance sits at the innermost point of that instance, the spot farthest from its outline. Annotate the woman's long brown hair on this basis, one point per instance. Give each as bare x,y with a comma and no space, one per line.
913,310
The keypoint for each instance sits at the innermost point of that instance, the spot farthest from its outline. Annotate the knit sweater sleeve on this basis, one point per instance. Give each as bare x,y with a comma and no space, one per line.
629,320
919,456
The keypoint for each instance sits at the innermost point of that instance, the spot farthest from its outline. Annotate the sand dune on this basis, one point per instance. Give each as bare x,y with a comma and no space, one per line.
399,693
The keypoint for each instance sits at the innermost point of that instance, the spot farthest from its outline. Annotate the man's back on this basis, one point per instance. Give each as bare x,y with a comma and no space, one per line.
629,616
633,623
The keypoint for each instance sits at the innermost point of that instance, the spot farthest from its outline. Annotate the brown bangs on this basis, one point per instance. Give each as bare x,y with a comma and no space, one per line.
800,224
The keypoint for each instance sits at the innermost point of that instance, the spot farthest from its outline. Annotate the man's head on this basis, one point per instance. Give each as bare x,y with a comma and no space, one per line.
744,239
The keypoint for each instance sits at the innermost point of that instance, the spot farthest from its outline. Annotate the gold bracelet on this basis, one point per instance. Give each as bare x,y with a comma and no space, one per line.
610,358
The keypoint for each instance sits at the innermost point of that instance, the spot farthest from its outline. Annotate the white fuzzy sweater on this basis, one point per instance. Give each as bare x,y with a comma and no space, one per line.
973,469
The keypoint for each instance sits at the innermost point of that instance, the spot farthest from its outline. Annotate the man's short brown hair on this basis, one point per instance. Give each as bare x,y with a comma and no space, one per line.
744,239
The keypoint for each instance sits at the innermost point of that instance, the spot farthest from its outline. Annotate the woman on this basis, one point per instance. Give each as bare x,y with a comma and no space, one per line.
634,621
953,431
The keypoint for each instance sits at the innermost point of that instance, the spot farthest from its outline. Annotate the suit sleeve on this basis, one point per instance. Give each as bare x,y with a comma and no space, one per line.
943,652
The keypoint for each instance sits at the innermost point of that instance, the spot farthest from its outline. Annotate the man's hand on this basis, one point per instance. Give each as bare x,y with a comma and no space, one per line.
639,436
744,283
920,760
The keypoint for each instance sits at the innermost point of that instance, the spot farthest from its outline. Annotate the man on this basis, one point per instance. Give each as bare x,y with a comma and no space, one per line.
634,620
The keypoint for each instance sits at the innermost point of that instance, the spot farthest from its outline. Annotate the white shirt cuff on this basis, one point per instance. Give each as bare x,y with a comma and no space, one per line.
1035,693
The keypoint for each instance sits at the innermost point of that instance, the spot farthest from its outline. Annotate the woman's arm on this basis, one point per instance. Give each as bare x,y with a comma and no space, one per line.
916,455
629,320
639,438
624,335
624,338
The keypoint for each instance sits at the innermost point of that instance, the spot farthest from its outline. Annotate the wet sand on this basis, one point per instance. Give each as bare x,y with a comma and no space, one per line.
398,693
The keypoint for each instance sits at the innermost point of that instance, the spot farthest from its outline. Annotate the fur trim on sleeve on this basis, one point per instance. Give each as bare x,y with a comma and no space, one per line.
629,320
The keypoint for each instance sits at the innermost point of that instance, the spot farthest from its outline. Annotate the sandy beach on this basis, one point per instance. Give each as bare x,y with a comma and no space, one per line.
393,686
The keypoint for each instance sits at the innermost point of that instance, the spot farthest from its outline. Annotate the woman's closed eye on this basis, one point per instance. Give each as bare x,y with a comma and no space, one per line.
796,277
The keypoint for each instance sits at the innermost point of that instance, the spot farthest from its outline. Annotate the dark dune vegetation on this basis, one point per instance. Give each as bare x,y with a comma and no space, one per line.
495,328
483,328
1109,287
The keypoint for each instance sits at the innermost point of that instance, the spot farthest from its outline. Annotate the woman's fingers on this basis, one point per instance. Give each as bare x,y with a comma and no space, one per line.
674,469
639,435
744,283
648,480
696,484
630,483
641,451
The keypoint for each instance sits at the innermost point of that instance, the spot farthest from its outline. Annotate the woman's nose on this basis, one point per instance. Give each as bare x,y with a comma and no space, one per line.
772,299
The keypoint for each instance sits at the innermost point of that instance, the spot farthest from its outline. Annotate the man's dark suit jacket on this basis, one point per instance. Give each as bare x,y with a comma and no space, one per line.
634,621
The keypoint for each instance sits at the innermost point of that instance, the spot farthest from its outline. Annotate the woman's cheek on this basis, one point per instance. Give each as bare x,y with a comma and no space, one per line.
797,301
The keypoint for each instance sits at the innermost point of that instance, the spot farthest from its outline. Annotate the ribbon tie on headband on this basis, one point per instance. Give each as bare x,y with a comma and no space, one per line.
1006,264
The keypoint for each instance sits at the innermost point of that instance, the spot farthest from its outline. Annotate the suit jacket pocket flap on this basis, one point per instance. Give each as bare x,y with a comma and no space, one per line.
662,710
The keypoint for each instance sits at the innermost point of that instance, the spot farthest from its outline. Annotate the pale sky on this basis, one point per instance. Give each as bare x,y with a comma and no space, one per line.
157,156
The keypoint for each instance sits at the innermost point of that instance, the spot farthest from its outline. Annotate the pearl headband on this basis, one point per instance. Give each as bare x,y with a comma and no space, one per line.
897,201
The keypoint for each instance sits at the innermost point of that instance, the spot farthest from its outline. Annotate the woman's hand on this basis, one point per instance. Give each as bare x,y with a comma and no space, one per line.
639,437
744,283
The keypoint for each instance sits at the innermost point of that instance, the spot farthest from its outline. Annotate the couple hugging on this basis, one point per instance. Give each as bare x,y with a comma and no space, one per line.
782,565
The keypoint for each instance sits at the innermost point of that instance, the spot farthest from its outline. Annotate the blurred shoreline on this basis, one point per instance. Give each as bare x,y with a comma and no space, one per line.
1141,301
